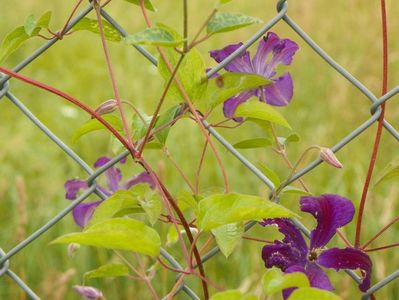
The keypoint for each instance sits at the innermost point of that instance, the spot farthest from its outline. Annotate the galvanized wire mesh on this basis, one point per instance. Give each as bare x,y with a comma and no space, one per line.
281,16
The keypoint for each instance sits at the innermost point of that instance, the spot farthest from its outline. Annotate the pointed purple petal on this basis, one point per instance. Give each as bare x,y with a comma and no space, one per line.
141,178
278,93
83,212
348,258
317,277
293,249
231,104
331,212
265,47
72,187
240,64
283,53
113,174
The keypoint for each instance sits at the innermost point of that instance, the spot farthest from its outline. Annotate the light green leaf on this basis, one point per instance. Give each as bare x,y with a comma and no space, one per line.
221,2
94,125
275,281
222,209
261,111
307,293
223,21
253,143
118,204
292,138
30,25
186,200
294,190
154,36
391,171
44,20
164,119
110,33
190,73
110,270
118,233
171,237
138,127
230,84
228,237
270,174
149,200
147,4
233,295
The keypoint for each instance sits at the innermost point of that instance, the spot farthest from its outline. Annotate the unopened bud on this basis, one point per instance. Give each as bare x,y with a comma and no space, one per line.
72,249
89,292
106,107
329,157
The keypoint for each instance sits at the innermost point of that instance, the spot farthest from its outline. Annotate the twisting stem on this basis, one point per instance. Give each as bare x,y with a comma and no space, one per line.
214,11
62,31
198,173
380,124
379,233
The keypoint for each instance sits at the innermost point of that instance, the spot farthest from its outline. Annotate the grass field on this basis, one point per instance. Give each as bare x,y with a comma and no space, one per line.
325,108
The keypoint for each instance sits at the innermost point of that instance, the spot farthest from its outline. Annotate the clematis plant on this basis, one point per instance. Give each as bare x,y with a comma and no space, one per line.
293,255
83,211
271,52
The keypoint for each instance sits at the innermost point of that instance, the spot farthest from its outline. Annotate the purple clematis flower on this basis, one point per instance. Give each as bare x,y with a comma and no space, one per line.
83,211
272,51
293,255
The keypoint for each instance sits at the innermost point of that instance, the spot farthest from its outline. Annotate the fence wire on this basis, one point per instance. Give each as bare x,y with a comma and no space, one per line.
281,16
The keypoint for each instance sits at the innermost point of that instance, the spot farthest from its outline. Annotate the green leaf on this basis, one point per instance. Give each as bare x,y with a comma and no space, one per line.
154,36
110,33
253,143
186,200
94,125
221,2
228,236
223,21
190,73
275,281
171,237
120,201
149,200
30,25
230,84
391,171
44,20
261,111
292,138
308,293
164,119
222,209
294,190
147,4
233,295
270,174
110,270
118,233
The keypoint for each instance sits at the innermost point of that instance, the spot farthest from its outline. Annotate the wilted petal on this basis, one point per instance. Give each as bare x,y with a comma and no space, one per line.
141,178
231,104
88,292
83,212
113,174
265,47
240,64
72,188
331,212
348,258
278,93
317,277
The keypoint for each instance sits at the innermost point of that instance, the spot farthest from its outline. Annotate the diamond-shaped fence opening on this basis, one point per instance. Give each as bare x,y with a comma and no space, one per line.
281,16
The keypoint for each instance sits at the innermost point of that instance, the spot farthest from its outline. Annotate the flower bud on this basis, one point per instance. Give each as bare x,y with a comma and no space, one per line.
329,157
89,292
72,249
106,107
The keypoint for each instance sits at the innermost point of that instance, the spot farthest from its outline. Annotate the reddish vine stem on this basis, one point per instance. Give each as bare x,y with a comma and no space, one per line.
61,33
381,248
380,124
363,247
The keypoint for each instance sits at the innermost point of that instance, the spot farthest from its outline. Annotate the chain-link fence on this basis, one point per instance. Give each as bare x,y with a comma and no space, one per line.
281,16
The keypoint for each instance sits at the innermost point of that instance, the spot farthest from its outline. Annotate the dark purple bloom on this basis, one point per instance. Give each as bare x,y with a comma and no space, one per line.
272,51
83,211
293,255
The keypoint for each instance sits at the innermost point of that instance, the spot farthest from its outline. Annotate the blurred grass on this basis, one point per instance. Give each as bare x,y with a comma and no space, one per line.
325,108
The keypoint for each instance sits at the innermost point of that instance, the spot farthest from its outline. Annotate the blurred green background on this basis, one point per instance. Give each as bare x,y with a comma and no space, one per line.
324,109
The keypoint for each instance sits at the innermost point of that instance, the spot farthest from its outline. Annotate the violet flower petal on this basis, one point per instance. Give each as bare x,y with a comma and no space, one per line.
231,104
265,47
282,54
348,258
72,188
317,277
143,177
278,93
240,64
113,174
88,292
331,212
83,212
